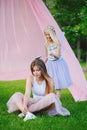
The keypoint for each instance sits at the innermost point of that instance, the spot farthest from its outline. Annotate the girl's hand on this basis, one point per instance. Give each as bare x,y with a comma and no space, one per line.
52,54
46,60
25,110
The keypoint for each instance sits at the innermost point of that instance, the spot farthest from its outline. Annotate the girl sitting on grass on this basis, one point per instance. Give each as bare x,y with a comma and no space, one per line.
44,99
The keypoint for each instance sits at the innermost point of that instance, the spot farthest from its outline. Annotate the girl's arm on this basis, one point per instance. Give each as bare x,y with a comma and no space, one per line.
27,93
57,54
46,52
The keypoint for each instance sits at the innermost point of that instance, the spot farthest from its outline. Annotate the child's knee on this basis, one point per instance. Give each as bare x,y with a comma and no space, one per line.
52,97
17,96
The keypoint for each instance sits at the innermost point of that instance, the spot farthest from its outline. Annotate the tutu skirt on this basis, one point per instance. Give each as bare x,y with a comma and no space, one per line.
59,72
35,104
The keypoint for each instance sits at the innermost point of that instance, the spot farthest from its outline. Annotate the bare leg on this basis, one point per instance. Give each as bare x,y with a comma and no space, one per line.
47,101
15,102
43,103
58,92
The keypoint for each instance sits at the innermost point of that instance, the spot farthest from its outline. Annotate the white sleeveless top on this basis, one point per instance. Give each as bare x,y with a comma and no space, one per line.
52,48
38,90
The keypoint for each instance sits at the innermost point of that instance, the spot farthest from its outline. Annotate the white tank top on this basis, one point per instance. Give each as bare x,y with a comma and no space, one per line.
52,48
38,90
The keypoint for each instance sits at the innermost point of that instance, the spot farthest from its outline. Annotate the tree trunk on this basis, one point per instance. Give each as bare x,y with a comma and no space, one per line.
78,50
86,52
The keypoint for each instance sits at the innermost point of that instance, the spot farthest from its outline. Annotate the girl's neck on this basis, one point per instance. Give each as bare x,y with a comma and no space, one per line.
40,79
50,42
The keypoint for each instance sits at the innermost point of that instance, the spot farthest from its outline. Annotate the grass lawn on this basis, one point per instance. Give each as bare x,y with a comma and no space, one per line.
84,65
76,121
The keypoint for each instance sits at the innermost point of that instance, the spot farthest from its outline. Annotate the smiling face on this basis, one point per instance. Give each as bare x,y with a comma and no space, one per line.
36,72
48,37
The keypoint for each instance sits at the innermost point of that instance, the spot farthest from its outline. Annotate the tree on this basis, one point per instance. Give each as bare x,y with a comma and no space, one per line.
71,15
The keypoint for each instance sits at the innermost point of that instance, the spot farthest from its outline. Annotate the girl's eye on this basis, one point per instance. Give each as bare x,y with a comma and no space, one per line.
36,70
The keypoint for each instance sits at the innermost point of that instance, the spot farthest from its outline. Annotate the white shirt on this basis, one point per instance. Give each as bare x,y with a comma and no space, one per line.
38,90
52,48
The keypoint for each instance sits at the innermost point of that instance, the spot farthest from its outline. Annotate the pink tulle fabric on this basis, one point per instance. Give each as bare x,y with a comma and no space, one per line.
21,40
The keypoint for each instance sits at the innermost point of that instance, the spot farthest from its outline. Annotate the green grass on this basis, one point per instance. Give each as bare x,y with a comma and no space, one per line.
77,119
85,74
84,65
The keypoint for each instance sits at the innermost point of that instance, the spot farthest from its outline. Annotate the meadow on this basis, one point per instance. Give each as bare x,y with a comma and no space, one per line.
77,120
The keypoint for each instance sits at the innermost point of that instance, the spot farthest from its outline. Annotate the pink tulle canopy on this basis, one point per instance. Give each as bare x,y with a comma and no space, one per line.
21,40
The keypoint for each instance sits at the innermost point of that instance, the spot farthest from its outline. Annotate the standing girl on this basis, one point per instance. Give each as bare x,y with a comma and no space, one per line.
56,66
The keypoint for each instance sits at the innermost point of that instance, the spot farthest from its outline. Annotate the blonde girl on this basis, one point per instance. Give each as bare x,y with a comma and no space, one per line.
56,66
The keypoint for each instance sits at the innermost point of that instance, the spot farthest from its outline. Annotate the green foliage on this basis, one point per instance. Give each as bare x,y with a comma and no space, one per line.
71,16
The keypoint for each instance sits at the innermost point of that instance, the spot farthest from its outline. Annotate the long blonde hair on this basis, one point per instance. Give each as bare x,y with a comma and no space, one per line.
49,82
51,31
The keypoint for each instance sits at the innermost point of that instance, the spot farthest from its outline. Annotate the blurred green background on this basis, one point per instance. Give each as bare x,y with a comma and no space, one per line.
71,16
